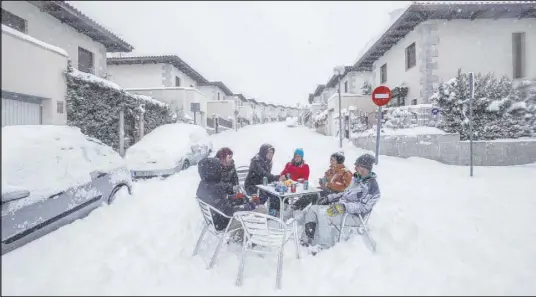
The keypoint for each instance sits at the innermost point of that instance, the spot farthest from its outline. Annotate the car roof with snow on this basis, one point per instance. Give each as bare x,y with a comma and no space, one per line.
46,159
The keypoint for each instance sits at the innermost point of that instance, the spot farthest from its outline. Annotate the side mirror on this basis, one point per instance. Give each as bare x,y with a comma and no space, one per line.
15,195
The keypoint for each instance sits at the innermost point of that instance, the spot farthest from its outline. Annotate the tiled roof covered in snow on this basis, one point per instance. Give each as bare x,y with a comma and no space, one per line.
169,59
241,97
319,90
419,12
73,17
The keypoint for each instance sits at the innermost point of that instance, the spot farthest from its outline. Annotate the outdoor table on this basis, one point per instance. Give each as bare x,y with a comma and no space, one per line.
270,188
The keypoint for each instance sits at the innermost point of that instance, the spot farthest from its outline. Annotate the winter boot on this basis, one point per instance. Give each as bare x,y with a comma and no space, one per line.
310,229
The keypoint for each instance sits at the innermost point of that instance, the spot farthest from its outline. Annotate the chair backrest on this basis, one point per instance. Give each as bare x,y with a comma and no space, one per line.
258,230
207,210
242,172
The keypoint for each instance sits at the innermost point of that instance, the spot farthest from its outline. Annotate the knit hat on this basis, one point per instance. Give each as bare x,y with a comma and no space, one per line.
298,151
339,157
365,161
223,153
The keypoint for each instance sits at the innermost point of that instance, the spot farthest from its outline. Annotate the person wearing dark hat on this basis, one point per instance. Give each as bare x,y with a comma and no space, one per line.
337,177
359,198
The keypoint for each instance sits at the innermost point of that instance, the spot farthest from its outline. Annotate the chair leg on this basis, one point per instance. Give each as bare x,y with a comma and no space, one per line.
217,251
367,234
198,244
240,275
295,230
279,270
341,229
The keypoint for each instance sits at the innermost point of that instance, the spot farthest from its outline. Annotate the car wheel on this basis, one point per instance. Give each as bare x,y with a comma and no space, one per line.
119,190
185,165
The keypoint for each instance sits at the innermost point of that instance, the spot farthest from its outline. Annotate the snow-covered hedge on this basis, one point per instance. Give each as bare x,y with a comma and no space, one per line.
93,105
399,118
500,110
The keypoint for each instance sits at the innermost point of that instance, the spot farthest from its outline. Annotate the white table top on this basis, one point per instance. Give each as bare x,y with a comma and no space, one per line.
270,188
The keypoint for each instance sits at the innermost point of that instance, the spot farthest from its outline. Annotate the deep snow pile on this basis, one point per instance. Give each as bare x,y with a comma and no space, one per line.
47,159
438,232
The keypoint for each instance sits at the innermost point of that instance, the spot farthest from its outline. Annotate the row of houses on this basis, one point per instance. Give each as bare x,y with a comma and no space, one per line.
427,43
40,37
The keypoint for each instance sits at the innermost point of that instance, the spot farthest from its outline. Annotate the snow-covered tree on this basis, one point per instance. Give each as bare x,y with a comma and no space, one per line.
498,108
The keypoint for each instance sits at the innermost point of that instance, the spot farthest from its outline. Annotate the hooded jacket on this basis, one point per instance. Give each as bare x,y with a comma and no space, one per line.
259,168
361,196
212,191
296,170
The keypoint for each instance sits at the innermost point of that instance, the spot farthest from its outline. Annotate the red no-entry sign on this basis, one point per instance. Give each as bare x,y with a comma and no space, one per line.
381,95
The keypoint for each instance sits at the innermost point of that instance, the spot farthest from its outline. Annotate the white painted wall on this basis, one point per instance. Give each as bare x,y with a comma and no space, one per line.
396,67
186,81
178,98
136,76
355,81
47,28
222,108
212,92
246,112
31,69
483,46
148,76
479,46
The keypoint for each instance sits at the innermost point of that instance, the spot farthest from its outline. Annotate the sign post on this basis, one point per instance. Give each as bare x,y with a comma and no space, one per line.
380,96
195,107
471,98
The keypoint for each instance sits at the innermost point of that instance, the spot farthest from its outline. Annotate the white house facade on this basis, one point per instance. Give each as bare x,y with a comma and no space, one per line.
166,78
428,43
38,39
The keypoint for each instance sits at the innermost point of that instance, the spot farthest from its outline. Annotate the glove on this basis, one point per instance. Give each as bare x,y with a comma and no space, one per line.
336,209
322,200
255,199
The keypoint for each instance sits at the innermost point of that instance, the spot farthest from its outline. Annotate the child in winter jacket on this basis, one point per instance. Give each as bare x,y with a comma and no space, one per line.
359,198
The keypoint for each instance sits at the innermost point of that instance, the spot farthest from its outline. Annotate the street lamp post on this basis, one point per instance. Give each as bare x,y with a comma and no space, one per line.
339,71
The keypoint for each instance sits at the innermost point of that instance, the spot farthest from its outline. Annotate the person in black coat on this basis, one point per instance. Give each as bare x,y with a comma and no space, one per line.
229,175
213,192
260,166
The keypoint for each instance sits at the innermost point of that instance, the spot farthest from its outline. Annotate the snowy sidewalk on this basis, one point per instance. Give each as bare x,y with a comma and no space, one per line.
438,232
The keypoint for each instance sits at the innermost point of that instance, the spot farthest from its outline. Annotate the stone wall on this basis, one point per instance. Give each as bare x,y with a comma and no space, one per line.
448,149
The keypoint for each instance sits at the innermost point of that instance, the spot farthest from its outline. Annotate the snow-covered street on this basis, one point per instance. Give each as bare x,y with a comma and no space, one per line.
438,232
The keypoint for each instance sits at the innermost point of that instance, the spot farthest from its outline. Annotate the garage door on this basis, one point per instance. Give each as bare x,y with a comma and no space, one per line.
16,112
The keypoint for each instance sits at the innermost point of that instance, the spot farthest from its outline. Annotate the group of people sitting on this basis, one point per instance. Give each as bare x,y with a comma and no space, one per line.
341,191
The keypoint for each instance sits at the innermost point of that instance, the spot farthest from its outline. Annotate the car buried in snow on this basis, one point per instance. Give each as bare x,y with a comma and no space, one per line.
167,150
291,122
52,176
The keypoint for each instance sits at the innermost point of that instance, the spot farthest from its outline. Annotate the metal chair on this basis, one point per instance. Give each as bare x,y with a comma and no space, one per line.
258,232
207,211
242,172
356,221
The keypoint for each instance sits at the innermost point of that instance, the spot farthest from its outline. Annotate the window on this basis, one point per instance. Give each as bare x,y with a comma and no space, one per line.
383,74
85,60
177,81
218,95
414,102
518,54
59,107
14,21
346,86
411,56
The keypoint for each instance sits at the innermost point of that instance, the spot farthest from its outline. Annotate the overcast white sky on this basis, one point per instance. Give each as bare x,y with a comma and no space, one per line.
271,51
